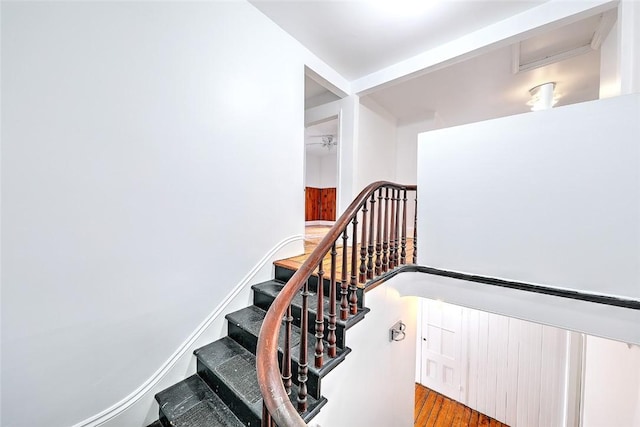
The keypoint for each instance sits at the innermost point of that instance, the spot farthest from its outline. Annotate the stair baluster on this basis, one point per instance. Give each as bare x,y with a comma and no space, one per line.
331,338
385,242
403,243
353,285
286,352
392,232
379,236
302,363
344,285
372,214
396,254
266,420
320,316
363,245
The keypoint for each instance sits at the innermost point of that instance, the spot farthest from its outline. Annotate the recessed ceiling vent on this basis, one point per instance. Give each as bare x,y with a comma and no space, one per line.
563,43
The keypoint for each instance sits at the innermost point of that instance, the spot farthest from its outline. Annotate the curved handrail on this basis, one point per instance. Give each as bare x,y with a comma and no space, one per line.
275,396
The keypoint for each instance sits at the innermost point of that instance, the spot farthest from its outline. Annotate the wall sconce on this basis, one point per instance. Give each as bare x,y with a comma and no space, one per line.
543,97
396,333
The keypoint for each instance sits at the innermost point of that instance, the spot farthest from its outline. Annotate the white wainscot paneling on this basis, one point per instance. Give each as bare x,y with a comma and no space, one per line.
508,369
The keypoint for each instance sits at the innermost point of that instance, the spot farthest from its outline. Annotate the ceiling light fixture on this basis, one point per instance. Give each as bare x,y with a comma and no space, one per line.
543,97
328,141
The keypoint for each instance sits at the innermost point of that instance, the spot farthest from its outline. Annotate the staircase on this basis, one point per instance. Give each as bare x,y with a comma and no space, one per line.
225,391
299,345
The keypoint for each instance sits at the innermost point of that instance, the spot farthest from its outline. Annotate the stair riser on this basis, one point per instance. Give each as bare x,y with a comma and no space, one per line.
250,342
284,274
236,403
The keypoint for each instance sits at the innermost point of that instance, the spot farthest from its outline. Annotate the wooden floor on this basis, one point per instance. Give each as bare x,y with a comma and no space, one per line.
313,236
434,409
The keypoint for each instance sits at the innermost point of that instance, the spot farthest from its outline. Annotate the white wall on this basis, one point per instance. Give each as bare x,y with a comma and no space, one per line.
611,384
328,170
374,386
130,181
312,171
406,164
407,149
376,151
551,197
321,171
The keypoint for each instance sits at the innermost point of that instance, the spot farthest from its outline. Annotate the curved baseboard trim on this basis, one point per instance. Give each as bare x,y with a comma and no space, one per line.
118,408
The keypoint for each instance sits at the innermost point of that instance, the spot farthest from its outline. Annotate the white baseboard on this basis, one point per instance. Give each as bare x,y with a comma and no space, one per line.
319,222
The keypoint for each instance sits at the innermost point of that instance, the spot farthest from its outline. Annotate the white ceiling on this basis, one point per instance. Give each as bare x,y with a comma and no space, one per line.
357,38
484,88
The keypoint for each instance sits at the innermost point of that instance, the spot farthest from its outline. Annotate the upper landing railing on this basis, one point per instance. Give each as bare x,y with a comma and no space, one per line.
374,241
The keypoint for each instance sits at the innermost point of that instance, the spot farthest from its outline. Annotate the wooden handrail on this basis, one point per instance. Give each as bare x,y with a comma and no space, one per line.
282,412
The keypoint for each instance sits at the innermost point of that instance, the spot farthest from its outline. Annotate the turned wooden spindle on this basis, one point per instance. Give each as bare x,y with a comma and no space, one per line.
372,215
286,352
392,232
396,254
363,245
344,285
353,285
331,336
266,420
320,317
403,243
385,234
379,236
302,362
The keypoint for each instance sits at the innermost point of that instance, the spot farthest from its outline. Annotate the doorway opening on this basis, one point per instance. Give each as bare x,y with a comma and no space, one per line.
322,139
321,172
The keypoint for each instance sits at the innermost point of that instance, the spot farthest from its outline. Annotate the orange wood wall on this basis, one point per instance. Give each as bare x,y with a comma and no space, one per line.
320,204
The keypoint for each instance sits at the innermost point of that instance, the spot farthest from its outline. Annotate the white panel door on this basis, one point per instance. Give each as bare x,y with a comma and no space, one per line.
441,361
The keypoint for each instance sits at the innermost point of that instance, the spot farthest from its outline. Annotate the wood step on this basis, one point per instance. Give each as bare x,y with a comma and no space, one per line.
244,327
265,293
283,274
230,370
191,403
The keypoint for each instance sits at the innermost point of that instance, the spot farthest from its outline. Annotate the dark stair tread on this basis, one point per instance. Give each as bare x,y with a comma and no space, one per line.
235,366
273,287
156,423
191,403
250,320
